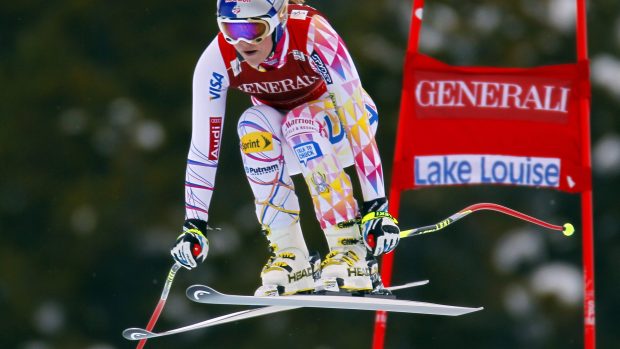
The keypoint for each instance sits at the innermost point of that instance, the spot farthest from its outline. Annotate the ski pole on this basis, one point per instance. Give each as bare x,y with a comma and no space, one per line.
162,301
567,229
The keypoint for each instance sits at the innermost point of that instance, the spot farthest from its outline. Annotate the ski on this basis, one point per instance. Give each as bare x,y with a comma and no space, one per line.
140,333
206,294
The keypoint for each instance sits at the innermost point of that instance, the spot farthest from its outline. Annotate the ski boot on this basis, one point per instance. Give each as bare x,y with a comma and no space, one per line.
345,269
288,272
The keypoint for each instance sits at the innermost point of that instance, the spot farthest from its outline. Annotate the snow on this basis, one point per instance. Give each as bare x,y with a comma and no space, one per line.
431,40
562,14
36,344
605,73
73,121
122,112
617,31
49,318
606,155
100,346
516,248
518,301
560,280
84,219
486,18
227,244
149,134
440,20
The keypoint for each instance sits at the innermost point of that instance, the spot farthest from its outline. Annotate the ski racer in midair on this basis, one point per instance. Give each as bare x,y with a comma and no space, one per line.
310,115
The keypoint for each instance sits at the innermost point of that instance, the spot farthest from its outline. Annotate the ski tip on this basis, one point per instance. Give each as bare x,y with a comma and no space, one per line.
465,311
473,310
136,334
408,285
198,292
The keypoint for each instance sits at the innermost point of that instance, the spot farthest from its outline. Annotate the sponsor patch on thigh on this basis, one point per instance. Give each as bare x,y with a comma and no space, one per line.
307,151
255,142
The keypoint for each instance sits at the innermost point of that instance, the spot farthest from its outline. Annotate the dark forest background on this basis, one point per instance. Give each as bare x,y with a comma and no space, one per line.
95,119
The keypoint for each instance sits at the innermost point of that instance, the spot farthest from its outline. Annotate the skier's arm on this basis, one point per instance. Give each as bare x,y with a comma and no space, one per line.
344,84
379,229
210,86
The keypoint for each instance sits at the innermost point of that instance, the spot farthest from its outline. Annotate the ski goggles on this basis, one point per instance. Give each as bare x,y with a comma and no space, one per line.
250,30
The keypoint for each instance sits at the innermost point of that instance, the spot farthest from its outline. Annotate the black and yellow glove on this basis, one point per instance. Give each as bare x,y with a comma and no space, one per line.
192,245
379,229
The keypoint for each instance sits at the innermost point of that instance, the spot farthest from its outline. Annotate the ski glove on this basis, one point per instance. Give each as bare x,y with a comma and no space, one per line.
192,245
379,229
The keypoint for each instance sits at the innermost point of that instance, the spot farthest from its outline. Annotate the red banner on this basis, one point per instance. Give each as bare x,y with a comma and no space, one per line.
482,125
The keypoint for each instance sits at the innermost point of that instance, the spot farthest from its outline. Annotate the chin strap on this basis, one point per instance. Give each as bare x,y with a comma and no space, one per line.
277,50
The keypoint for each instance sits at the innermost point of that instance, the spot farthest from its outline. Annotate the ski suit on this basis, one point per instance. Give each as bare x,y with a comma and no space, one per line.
310,115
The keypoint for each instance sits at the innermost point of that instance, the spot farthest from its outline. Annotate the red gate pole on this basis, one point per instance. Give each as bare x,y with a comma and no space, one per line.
586,196
387,261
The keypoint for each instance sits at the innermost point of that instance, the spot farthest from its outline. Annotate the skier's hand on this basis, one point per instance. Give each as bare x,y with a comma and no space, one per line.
379,229
380,232
192,245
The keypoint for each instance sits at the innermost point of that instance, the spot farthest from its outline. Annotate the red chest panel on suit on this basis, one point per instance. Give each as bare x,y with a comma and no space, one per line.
286,87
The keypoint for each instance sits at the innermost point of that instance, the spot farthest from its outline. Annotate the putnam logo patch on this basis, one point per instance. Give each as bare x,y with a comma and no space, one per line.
255,142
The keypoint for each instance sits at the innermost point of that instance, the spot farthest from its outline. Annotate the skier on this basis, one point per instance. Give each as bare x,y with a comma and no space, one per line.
310,115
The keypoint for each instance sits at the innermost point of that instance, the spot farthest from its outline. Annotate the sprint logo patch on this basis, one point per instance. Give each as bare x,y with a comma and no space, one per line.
255,142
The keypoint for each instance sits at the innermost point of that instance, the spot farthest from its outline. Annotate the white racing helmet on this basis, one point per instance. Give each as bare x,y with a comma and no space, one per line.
251,20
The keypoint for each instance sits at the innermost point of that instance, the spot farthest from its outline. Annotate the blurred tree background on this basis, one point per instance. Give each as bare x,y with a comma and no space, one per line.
94,131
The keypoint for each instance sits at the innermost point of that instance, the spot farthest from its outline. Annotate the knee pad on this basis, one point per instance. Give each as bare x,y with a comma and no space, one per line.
260,118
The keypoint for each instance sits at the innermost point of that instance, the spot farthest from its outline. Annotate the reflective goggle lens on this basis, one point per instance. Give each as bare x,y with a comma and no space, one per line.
250,31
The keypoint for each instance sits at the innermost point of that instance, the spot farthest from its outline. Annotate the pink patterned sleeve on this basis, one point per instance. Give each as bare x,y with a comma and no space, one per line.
344,84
